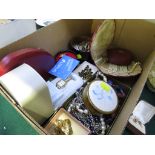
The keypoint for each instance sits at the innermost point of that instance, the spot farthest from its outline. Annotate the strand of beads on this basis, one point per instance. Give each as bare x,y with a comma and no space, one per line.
77,108
100,75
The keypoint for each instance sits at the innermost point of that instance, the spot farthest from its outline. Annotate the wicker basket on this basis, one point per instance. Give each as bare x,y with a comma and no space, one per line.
101,40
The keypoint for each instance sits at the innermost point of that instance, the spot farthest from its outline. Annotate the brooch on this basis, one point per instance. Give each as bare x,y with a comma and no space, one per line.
64,126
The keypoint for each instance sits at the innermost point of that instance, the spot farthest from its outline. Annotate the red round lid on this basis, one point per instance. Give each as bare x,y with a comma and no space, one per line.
61,54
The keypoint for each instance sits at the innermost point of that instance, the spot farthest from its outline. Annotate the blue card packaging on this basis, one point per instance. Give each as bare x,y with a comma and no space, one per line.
64,67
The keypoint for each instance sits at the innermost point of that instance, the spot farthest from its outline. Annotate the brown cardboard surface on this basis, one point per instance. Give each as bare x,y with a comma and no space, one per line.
135,35
53,38
139,37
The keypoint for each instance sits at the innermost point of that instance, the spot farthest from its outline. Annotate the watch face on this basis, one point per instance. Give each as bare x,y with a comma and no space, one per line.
60,84
102,96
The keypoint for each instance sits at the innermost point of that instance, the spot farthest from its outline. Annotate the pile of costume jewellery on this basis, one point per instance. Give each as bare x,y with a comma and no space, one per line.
97,123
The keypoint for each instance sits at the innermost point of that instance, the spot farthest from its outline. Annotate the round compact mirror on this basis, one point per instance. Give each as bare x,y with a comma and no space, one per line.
100,97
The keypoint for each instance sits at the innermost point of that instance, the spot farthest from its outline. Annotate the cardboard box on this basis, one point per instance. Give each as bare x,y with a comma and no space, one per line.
135,35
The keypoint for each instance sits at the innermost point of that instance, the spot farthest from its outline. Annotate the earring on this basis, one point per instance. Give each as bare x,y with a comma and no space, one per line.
103,126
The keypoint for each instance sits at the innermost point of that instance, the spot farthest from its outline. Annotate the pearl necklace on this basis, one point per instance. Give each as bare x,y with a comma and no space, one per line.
77,108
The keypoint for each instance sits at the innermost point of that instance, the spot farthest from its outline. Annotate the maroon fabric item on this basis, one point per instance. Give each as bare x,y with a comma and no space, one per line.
119,56
39,59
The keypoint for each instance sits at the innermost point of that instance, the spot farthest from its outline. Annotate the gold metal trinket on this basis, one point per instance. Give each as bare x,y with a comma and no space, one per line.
65,126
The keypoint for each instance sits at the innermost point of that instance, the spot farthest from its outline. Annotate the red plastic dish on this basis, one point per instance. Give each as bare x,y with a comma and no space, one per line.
39,59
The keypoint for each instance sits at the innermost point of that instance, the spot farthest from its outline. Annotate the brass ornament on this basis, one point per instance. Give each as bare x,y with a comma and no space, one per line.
65,126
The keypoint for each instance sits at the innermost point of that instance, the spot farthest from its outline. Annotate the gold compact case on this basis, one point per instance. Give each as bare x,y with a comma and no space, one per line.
100,98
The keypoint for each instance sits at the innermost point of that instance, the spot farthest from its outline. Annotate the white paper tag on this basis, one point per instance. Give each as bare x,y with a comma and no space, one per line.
144,112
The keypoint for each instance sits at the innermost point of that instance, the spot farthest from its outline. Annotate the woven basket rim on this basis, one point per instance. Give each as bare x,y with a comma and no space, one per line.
101,57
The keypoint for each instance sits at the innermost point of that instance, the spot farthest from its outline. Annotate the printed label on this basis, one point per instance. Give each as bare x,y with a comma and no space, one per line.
105,87
64,67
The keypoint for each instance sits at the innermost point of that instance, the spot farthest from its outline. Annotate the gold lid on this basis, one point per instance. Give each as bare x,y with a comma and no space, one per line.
91,105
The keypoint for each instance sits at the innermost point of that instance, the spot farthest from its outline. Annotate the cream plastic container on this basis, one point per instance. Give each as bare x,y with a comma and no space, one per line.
30,91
